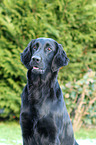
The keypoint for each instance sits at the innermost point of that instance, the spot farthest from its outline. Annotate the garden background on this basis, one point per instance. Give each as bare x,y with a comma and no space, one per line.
71,23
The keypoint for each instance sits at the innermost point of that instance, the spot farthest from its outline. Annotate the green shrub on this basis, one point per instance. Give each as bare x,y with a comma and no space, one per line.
80,99
71,23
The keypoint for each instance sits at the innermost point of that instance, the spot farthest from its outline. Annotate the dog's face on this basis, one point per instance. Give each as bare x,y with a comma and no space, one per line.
43,54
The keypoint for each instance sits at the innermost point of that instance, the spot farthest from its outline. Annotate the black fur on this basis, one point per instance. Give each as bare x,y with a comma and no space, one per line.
44,119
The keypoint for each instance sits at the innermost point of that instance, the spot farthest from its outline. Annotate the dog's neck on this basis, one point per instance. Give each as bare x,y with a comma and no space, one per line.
40,85
38,80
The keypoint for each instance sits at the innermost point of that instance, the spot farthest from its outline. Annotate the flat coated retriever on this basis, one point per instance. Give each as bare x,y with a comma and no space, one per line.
44,119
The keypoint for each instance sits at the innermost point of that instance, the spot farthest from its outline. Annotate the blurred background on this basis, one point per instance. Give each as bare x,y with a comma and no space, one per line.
71,23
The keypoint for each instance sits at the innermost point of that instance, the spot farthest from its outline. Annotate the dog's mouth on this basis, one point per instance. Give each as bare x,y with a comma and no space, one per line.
38,70
35,67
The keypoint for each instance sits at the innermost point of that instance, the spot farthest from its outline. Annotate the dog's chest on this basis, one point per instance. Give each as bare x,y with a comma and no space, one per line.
37,94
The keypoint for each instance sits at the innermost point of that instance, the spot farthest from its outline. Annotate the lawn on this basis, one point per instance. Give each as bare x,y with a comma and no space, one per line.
10,133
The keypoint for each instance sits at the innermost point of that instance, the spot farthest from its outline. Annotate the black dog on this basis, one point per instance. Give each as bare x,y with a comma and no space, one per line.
44,119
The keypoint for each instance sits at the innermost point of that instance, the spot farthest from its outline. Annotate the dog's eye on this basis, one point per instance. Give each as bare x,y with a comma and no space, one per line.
34,47
49,49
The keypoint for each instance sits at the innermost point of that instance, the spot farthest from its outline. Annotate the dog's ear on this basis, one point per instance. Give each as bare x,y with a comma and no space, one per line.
26,55
60,59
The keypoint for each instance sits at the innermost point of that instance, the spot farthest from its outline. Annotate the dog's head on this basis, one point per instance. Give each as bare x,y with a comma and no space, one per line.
43,54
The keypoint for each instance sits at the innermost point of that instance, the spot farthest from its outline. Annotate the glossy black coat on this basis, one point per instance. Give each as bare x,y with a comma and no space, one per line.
44,119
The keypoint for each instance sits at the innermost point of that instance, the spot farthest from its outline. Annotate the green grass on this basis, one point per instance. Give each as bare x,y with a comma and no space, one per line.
10,133
85,133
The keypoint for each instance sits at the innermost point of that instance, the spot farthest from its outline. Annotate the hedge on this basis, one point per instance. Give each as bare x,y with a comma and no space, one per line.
70,23
80,99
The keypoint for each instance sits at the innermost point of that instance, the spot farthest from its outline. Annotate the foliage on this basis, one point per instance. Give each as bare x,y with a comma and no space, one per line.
71,23
80,99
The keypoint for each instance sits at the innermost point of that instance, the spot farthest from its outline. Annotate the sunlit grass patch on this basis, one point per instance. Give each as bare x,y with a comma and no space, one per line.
10,133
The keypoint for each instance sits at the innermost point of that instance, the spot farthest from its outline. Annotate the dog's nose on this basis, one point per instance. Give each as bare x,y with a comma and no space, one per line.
36,59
